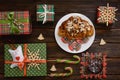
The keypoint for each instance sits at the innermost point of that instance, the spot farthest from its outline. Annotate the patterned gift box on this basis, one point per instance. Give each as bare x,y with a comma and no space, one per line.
93,65
33,63
45,12
14,22
106,14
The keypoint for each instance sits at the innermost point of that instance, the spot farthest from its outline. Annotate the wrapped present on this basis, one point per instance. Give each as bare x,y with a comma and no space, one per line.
93,65
25,60
14,22
106,14
45,12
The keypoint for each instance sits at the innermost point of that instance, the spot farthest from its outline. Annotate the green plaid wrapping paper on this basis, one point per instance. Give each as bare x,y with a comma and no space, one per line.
33,71
21,16
49,17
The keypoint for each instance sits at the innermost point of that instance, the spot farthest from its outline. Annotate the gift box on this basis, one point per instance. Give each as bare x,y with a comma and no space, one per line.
25,60
106,14
14,22
93,65
45,13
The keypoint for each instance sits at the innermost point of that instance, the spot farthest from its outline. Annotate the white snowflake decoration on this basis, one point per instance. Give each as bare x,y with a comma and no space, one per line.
107,14
34,56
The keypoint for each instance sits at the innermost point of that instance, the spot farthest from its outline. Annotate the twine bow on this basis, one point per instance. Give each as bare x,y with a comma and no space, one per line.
44,14
14,25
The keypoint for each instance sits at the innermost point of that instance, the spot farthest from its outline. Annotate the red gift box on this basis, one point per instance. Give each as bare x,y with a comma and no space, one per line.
14,22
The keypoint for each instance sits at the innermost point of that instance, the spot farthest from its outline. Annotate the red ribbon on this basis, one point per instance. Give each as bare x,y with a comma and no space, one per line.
22,65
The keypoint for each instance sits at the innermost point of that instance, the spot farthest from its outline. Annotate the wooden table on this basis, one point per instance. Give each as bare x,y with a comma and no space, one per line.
62,7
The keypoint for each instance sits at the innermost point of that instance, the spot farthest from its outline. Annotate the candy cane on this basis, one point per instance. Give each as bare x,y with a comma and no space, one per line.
69,61
62,74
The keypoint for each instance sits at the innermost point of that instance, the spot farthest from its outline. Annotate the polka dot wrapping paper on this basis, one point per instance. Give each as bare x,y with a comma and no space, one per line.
34,63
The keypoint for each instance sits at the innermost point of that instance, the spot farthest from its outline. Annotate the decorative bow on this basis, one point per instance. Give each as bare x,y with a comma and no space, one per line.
15,26
44,14
23,65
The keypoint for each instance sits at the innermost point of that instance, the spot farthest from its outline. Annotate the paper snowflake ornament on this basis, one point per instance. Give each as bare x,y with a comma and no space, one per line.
106,14
34,56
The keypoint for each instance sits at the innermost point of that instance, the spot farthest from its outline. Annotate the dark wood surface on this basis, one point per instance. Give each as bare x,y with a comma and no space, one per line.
110,34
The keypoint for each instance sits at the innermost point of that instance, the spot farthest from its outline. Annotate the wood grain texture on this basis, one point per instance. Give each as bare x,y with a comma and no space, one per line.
110,34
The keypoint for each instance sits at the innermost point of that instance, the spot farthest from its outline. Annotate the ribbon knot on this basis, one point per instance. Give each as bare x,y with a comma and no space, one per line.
23,65
20,65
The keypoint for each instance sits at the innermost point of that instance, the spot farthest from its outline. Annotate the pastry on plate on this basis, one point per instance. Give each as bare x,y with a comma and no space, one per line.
75,28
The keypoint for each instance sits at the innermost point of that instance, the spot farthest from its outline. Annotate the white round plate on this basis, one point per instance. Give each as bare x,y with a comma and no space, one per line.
64,46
